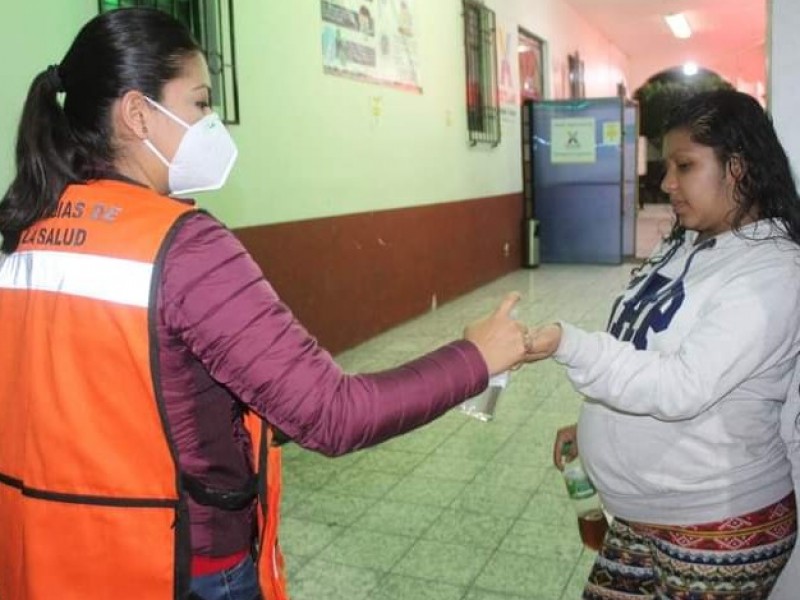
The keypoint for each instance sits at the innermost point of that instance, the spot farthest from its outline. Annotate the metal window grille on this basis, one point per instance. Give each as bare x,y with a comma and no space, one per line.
480,51
211,24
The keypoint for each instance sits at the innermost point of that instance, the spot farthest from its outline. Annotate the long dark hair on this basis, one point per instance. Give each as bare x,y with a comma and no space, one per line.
740,132
59,143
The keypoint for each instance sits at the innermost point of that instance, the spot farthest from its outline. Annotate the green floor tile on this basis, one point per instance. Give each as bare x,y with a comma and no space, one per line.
502,502
398,517
474,444
533,578
513,415
525,451
294,455
447,563
307,476
293,564
580,574
388,461
480,530
365,484
293,496
526,478
543,540
448,423
574,589
326,507
421,441
321,580
500,427
478,594
399,587
552,509
443,466
306,538
553,483
369,549
543,427
428,491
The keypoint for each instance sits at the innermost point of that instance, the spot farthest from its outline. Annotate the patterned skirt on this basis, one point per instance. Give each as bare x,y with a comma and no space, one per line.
736,559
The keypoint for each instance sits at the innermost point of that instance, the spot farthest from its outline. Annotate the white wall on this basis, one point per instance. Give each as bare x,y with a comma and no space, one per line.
565,31
784,75
311,144
745,71
783,45
33,35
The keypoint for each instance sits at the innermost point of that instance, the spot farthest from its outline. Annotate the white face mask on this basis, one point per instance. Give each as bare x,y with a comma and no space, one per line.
204,157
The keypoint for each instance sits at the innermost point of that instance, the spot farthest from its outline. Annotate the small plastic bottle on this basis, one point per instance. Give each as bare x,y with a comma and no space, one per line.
483,405
592,523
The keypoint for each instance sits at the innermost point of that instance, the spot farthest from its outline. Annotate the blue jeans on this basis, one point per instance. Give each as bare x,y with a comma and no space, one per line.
237,583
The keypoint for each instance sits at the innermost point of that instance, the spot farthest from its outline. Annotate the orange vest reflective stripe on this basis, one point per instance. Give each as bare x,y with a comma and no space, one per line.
91,505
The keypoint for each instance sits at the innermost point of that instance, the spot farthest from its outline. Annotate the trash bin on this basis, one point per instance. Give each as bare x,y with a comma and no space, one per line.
533,243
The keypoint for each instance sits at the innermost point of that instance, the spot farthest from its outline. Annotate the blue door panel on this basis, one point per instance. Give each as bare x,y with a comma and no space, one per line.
579,204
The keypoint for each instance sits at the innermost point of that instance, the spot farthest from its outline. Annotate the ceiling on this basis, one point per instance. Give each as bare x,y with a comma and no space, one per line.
728,36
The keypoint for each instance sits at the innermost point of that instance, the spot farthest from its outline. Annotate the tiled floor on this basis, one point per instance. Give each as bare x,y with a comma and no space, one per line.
460,509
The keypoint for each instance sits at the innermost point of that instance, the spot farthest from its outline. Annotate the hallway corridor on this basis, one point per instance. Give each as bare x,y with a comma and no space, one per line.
460,509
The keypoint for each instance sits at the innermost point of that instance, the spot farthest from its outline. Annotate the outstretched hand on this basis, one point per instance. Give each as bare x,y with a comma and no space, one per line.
544,342
565,435
500,338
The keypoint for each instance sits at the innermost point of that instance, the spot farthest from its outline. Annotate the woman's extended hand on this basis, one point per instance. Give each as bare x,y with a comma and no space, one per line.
544,342
565,435
500,338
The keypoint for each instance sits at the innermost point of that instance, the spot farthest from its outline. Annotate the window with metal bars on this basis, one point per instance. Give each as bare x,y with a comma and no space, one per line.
480,51
211,24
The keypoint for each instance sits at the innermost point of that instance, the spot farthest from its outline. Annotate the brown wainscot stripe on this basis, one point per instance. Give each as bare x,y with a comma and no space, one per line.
350,277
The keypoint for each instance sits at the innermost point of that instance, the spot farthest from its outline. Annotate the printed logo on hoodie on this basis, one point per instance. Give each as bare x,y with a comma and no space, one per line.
650,309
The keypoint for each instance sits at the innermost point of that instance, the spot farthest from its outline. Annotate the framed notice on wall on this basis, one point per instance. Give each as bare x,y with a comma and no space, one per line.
573,140
371,40
531,71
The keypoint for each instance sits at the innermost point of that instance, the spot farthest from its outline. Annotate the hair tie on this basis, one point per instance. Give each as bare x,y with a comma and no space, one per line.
54,78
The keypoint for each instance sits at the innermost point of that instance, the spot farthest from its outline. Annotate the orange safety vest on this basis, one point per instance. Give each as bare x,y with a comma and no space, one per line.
92,504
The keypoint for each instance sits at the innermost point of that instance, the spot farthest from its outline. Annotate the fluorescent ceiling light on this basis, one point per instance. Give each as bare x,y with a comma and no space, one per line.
679,25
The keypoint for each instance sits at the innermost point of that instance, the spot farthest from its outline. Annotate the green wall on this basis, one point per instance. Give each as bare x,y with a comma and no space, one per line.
310,143
33,35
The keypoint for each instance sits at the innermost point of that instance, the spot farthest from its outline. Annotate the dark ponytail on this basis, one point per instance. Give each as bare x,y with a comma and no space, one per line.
65,133
43,155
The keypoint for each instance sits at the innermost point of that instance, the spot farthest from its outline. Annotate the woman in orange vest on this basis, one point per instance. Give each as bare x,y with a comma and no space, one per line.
143,350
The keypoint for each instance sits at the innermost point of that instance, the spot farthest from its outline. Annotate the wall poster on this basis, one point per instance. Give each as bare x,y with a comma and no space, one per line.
573,140
371,40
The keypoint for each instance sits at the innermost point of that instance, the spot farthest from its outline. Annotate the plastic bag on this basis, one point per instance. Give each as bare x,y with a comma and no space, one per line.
483,406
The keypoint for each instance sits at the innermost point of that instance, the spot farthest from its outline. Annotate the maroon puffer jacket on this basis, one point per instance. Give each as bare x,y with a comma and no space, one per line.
225,337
